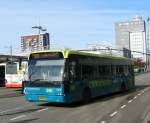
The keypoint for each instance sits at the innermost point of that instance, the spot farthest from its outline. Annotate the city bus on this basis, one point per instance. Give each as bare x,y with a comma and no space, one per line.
67,76
12,74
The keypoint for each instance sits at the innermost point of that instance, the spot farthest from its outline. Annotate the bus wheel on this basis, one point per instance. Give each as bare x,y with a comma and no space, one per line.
86,96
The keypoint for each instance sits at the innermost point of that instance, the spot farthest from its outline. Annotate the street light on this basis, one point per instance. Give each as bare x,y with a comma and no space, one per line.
11,52
40,28
147,41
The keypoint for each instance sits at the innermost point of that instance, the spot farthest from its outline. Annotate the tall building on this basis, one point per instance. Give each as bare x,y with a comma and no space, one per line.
132,35
32,43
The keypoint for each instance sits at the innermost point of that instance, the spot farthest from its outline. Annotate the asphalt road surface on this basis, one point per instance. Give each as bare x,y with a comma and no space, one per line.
129,107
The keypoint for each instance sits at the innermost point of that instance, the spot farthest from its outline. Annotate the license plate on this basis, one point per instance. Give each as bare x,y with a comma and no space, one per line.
42,98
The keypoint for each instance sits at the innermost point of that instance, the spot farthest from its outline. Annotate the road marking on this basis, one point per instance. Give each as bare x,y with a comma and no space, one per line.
130,101
113,114
21,116
103,121
139,94
135,97
22,107
42,109
123,106
11,110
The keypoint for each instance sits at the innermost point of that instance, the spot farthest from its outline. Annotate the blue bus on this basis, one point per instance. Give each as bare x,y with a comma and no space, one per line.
67,76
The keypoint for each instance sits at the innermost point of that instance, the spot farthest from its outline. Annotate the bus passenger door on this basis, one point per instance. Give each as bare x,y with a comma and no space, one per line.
75,84
117,78
105,74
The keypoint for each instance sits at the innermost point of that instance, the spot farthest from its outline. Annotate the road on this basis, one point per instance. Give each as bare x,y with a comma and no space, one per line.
129,107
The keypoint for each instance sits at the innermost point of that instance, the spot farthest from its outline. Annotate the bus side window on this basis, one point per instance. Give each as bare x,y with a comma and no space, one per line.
114,71
101,72
126,70
119,70
123,70
87,72
104,71
78,70
130,69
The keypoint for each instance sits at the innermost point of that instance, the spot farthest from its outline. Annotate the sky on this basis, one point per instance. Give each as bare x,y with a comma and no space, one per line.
71,23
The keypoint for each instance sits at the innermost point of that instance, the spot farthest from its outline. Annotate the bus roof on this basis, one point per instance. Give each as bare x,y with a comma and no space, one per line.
66,54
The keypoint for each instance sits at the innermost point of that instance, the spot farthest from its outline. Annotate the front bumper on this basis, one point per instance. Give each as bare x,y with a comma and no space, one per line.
13,85
46,98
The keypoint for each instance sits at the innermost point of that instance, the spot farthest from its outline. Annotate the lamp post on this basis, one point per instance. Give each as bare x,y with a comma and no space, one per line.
40,28
147,43
11,52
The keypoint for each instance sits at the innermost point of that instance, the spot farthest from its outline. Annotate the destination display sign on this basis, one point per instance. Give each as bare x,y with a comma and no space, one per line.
46,55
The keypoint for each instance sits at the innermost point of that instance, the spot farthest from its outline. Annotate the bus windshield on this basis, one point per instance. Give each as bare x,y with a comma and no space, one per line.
11,68
46,70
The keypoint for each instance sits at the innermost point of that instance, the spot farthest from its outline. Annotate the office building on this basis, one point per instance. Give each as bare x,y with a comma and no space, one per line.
132,35
32,43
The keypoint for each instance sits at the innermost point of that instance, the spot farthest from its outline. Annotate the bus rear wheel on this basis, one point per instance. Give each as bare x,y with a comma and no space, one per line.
86,96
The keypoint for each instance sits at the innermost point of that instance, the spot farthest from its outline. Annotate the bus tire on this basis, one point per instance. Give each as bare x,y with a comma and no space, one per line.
86,96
